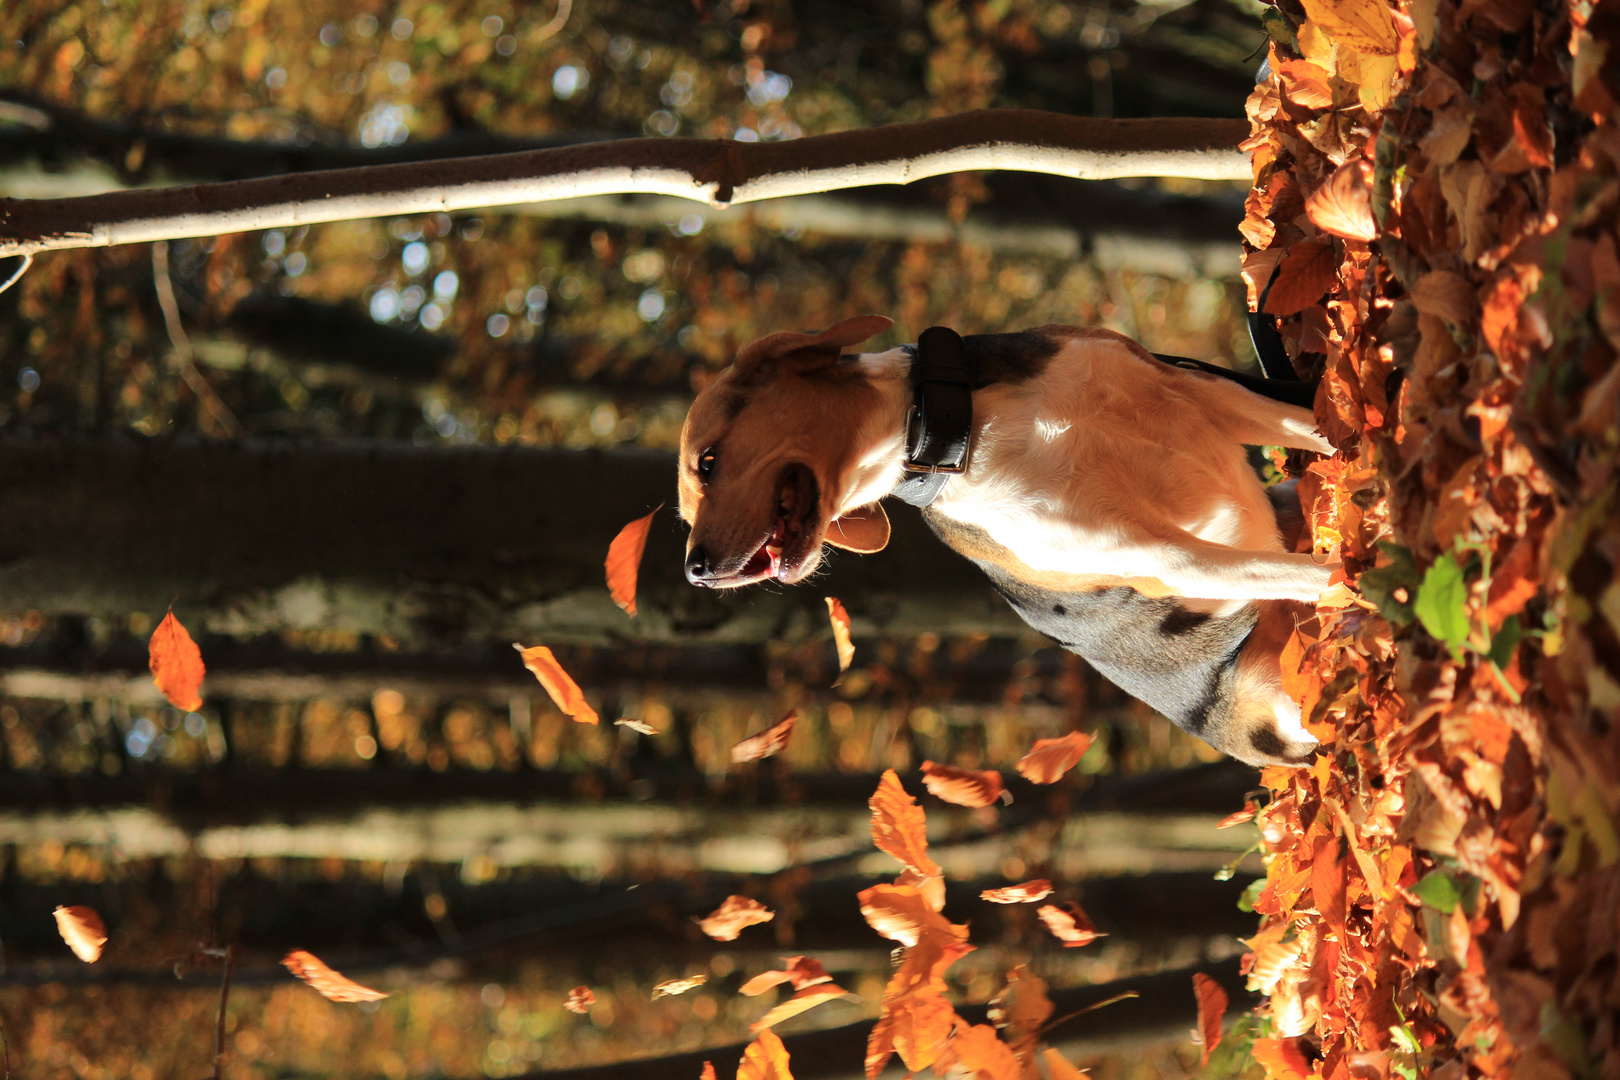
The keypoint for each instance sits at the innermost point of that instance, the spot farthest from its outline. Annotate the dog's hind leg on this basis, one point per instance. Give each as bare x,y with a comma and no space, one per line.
1259,421
1192,566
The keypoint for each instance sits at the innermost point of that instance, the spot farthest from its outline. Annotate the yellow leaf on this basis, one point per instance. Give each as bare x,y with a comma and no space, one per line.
1362,24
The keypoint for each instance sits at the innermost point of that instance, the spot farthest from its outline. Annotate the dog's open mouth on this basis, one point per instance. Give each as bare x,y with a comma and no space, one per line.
793,534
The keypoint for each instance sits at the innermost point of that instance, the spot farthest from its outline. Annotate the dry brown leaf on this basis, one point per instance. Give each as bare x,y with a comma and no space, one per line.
765,744
728,920
899,828
1021,1010
1028,892
580,1000
328,983
1305,84
1238,817
177,665
624,561
964,787
1069,925
82,929
803,1001
1343,204
1049,759
1307,271
840,628
801,971
674,987
636,725
1446,295
765,1059
563,689
916,1028
978,1052
1211,1010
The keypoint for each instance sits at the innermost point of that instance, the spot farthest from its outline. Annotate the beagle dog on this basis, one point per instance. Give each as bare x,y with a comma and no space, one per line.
1106,493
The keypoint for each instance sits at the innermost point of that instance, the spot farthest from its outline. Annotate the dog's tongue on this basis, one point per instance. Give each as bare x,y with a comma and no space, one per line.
769,555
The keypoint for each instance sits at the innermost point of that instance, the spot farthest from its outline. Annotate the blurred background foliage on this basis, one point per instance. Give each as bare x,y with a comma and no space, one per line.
582,325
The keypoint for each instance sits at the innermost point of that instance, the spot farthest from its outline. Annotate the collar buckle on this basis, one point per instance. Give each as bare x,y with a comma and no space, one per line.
912,445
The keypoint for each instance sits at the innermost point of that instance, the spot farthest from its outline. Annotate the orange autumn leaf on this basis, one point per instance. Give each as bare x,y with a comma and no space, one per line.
1343,204
1513,584
623,563
899,828
964,787
563,689
328,983
1021,1010
580,1000
976,1050
1069,924
840,628
1028,892
1238,817
801,1002
765,1059
1364,25
177,665
1307,271
915,1027
82,929
1211,1011
1049,759
766,743
728,920
1059,1067
708,1071
801,971
1281,1058
1305,84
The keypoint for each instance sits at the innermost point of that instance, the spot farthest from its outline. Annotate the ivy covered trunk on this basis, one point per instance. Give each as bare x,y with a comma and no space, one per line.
1433,222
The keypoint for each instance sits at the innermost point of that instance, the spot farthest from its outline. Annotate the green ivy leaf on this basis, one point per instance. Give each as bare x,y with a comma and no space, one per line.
1505,641
1251,893
1380,585
1438,890
1442,602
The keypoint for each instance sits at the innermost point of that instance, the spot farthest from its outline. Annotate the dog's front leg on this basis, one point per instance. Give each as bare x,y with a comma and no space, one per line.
1195,567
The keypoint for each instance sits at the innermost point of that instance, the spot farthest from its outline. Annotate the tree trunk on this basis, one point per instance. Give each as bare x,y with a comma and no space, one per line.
719,172
423,547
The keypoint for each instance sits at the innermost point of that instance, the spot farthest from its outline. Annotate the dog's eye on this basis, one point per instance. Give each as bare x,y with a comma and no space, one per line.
705,465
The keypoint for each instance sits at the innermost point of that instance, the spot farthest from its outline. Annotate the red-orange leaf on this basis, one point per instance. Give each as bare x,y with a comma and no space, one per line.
728,920
563,689
978,1052
899,828
1028,892
1211,1010
801,971
1343,204
1238,817
580,1000
964,787
1307,271
840,629
328,983
83,931
765,1059
1281,1059
803,1001
765,744
1069,925
1049,759
177,665
708,1071
624,561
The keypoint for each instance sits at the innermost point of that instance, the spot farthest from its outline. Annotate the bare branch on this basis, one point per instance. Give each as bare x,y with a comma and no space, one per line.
218,413
716,171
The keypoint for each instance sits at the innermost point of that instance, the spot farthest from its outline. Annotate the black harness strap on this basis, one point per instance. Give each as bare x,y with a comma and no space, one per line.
939,424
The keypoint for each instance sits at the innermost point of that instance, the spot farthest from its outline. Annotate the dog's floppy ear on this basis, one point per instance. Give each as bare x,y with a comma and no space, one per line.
862,530
806,351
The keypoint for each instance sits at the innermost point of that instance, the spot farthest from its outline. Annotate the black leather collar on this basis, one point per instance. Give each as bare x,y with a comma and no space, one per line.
939,424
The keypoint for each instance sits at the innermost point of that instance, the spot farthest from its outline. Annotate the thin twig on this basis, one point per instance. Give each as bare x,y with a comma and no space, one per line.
27,261
219,1031
556,24
1127,995
216,409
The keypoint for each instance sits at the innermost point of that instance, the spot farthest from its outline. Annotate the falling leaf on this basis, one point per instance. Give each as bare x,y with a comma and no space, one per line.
765,744
1238,817
1343,204
624,561
801,971
964,787
580,1000
1021,1010
801,1002
916,1028
636,725
1049,759
728,920
328,983
708,1071
82,929
1211,1010
563,690
672,987
840,629
1307,271
1071,926
765,1059
1028,892
177,665
899,827
976,1050
1281,1059
1058,1067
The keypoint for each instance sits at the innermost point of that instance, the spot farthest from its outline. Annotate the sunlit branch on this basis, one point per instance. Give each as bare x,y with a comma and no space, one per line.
714,171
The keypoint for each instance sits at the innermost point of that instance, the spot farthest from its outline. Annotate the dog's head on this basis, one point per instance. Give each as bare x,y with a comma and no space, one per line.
770,455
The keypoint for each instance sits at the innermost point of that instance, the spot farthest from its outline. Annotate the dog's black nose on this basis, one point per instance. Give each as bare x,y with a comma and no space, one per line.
697,565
